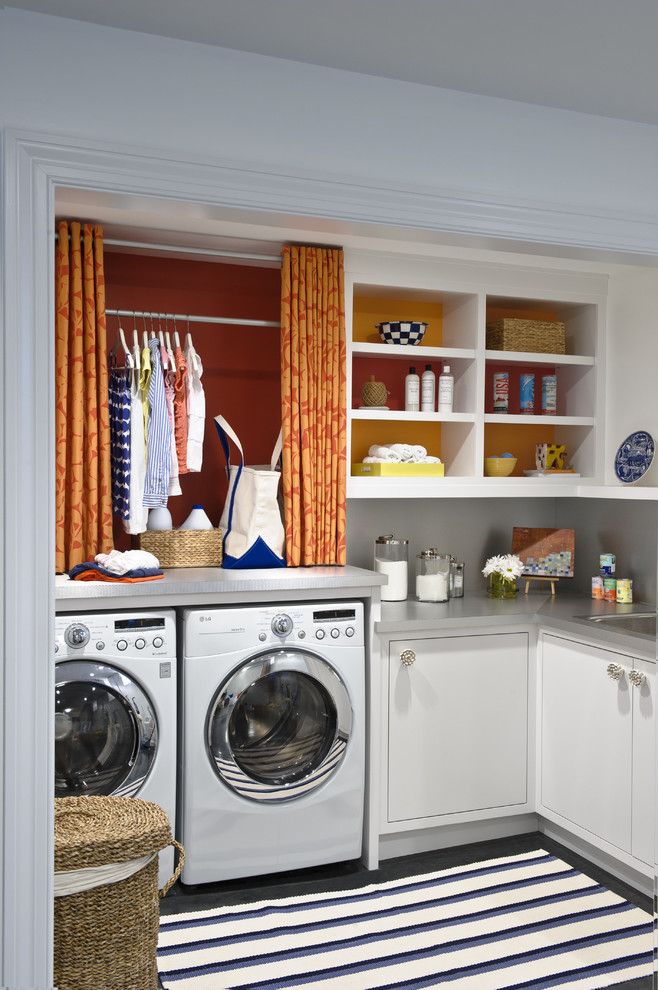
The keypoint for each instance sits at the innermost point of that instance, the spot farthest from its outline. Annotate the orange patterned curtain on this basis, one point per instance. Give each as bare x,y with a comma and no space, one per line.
82,486
313,393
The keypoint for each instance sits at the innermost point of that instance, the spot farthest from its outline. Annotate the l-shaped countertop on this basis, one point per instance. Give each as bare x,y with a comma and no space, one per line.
216,586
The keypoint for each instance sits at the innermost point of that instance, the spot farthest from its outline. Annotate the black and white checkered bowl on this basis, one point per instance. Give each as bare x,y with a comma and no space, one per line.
402,332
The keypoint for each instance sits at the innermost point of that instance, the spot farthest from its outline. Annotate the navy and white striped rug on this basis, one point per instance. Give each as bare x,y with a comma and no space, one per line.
528,921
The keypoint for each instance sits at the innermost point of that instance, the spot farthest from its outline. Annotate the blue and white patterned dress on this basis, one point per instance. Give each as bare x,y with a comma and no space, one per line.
119,401
158,436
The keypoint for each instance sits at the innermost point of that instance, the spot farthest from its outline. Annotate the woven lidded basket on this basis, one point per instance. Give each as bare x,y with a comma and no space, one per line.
184,547
540,336
107,935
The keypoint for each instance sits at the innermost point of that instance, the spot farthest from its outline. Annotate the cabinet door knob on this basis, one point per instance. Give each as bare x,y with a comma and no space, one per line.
407,657
615,670
636,677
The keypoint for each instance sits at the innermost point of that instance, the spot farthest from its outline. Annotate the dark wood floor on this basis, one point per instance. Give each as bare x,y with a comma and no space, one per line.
344,876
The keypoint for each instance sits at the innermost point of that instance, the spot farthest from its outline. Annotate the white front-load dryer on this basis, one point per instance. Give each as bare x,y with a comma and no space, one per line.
273,738
116,709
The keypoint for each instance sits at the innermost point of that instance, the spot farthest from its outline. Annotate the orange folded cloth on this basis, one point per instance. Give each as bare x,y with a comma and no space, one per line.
91,571
94,575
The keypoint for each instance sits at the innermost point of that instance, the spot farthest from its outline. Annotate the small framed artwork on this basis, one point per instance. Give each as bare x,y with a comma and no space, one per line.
547,553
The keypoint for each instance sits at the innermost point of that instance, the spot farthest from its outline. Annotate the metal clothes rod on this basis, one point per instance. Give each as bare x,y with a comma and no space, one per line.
184,318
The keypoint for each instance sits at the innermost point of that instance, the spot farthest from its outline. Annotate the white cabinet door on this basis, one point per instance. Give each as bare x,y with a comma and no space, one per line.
458,725
587,739
644,764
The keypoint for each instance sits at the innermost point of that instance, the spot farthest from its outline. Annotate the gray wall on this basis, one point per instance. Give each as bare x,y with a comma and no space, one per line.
475,528
629,529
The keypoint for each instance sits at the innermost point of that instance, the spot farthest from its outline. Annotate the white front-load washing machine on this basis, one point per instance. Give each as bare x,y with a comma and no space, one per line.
116,709
273,738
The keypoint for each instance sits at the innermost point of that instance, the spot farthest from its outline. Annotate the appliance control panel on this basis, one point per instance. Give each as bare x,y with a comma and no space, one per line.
134,634
310,624
337,624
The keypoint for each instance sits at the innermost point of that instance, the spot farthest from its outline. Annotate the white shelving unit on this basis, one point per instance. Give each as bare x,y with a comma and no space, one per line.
465,294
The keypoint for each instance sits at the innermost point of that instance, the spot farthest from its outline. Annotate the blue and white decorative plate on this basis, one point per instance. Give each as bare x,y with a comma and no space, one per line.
634,457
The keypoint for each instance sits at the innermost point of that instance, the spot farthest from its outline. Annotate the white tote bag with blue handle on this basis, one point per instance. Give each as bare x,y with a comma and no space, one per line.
251,523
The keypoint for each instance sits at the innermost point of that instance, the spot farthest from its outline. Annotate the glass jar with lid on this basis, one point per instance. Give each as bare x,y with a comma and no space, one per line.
432,576
391,559
456,579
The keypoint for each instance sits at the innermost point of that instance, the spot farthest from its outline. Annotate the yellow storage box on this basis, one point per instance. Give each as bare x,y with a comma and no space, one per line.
384,469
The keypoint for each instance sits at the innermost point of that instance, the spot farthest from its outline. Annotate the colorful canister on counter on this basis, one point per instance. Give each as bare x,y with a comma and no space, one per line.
527,394
607,564
500,391
549,395
597,587
624,590
609,589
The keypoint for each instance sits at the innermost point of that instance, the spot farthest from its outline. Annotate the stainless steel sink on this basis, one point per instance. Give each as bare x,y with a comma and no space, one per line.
633,622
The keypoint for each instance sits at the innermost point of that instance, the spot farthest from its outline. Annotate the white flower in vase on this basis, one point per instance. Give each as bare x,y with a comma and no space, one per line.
502,572
508,566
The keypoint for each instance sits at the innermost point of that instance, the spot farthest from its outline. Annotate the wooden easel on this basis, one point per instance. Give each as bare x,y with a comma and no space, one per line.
552,581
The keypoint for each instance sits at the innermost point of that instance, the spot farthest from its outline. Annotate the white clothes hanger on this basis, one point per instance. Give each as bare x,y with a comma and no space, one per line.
189,348
121,337
175,337
170,353
137,354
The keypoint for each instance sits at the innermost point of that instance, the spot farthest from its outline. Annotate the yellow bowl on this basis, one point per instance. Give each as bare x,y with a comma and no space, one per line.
499,467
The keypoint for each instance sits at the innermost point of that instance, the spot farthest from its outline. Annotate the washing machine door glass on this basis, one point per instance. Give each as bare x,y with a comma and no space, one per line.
105,731
278,727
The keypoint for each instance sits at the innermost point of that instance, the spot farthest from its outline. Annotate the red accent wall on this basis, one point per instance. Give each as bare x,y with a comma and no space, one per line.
241,365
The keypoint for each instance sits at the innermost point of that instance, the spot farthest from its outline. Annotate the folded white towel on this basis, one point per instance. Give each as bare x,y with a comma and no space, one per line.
384,452
120,563
403,450
405,453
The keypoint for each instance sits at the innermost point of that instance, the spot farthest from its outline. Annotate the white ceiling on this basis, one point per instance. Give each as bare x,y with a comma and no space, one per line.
594,56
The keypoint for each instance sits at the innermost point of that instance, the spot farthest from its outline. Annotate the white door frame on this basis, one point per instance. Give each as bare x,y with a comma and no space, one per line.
34,166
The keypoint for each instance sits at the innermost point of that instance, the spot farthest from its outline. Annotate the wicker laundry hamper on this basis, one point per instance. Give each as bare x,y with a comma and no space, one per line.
106,935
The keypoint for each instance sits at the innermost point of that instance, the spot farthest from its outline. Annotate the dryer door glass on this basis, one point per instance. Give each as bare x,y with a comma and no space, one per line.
279,727
104,732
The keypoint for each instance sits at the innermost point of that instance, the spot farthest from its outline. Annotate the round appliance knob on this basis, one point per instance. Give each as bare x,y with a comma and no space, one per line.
157,642
281,624
349,631
140,643
615,670
319,633
100,645
335,633
122,645
77,635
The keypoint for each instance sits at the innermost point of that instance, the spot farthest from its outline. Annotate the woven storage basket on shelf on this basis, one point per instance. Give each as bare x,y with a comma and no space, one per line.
540,337
107,936
184,547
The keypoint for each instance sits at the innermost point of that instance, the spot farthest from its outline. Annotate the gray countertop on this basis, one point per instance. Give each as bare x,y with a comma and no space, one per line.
563,612
214,585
